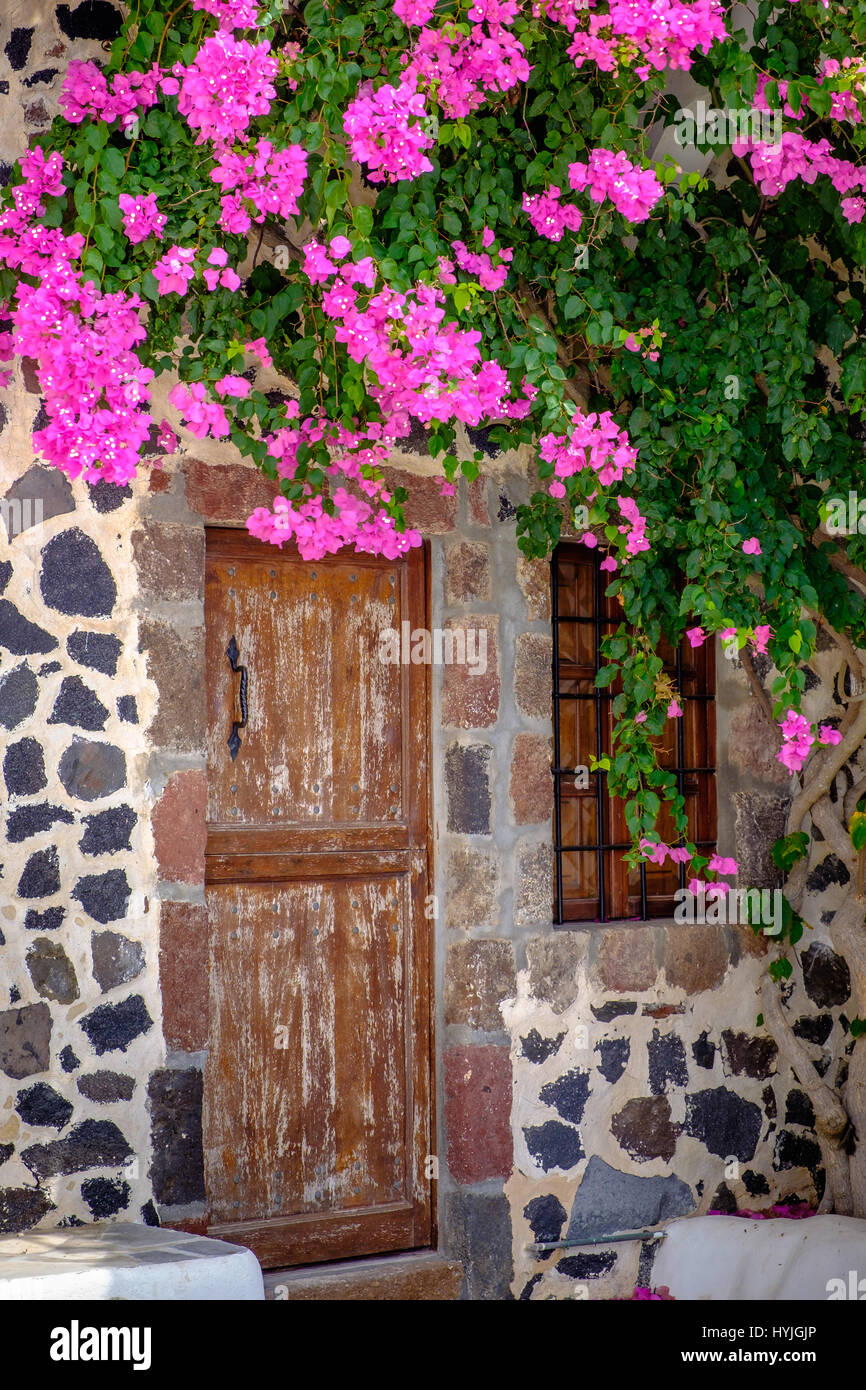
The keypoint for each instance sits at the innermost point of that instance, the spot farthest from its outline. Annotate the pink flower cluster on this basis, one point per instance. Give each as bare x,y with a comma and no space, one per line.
633,191
423,366
387,131
462,68
799,739
231,14
272,180
201,415
595,442
417,12
635,531
480,264
665,33
775,166
550,217
86,93
228,83
175,270
141,216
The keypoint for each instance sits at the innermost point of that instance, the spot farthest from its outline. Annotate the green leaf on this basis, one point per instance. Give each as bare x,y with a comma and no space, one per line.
857,829
781,969
362,218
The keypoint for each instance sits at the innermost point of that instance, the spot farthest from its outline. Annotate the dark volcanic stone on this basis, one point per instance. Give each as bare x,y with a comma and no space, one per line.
41,875
725,1123
92,1144
830,870
19,691
47,486
43,75
5,574
796,1151
107,497
49,920
768,1096
103,896
25,1040
798,1109
105,1196
116,959
723,1200
42,1105
77,704
68,1059
106,1086
526,1291
568,1094
506,509
51,971
608,1201
149,1214
6,1152
755,1184
546,1216
755,1057
108,832
704,1052
825,975
89,771
92,19
178,1160
587,1266
32,820
127,709
667,1062
607,1012
22,1207
554,1145
614,1058
112,1027
467,785
75,579
98,650
537,1049
24,768
21,637
814,1030
49,667
17,49
644,1129
480,1238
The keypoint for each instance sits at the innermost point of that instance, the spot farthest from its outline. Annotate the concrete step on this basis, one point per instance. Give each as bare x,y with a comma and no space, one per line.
417,1276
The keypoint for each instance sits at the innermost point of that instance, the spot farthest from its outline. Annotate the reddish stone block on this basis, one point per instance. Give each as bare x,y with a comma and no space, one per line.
192,1225
470,690
175,662
179,830
478,1089
479,975
31,381
531,787
426,510
467,572
626,959
477,499
169,561
532,674
183,974
696,958
158,480
226,493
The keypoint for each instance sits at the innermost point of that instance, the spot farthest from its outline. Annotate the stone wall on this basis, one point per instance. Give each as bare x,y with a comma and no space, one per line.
608,1075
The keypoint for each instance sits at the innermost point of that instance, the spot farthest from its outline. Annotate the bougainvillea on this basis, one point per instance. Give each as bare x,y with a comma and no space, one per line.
486,214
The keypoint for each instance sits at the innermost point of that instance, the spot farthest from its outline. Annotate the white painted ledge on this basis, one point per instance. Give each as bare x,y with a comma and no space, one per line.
117,1260
722,1258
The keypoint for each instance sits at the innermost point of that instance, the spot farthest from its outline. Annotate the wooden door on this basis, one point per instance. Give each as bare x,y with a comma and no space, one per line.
317,1107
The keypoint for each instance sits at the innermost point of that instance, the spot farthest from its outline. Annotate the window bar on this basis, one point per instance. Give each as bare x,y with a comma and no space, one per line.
557,778
599,792
681,748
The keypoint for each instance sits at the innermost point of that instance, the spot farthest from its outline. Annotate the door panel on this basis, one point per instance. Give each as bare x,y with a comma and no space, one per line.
317,1090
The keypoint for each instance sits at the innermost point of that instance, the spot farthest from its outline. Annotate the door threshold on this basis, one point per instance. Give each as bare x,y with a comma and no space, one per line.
410,1276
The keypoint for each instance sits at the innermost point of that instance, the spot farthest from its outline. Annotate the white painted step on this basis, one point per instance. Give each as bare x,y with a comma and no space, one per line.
721,1258
111,1260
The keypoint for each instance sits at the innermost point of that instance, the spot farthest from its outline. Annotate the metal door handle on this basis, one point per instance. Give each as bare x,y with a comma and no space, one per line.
234,742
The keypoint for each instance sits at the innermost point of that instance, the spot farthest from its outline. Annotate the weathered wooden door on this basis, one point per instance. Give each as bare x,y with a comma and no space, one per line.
317,1082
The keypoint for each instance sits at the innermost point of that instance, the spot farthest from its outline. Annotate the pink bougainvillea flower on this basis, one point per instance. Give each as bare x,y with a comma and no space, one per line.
141,216
681,855
174,270
589,540
696,636
166,437
236,386
752,546
728,633
720,865
654,851
339,246
698,885
827,734
674,710
640,717
447,489
761,638
608,563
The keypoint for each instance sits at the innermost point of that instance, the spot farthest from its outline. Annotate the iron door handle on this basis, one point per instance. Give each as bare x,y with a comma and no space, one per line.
234,742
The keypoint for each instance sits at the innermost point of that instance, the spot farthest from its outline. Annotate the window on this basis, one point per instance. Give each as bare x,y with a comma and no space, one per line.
593,883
